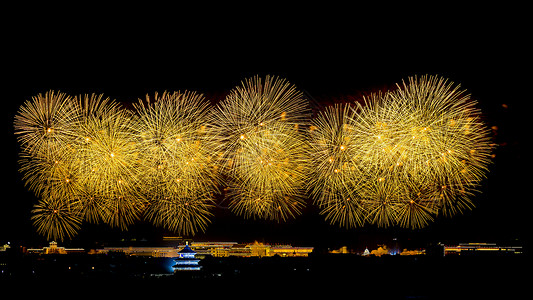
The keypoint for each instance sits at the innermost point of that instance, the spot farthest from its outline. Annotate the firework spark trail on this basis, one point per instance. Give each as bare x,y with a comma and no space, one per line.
45,127
402,158
336,178
44,124
418,151
177,160
455,142
56,218
108,161
271,168
263,148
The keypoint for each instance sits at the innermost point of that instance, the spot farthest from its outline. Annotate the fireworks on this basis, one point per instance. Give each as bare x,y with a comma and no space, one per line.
107,161
263,147
56,218
335,178
402,157
44,125
89,159
177,164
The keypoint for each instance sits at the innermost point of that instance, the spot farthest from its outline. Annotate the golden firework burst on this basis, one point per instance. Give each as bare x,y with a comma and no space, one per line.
108,160
44,124
177,160
336,178
55,218
263,149
402,158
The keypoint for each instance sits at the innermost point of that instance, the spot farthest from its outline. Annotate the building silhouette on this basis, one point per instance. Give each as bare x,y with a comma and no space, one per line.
186,260
481,249
54,249
215,249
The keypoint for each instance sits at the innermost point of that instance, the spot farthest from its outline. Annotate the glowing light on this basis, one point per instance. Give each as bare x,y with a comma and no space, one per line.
402,158
278,107
180,177
75,180
440,167
54,219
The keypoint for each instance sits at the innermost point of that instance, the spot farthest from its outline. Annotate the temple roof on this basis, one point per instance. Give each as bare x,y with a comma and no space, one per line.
187,249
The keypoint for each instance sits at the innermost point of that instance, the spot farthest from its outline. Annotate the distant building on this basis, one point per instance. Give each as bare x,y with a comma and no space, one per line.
240,250
54,249
259,249
215,249
382,250
256,249
341,250
186,260
481,249
5,247
290,251
141,251
413,252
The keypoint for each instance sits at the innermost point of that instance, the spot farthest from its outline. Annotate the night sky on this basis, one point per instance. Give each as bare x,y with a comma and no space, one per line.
329,60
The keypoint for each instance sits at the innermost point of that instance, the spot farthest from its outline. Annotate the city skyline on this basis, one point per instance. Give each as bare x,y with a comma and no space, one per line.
223,249
334,54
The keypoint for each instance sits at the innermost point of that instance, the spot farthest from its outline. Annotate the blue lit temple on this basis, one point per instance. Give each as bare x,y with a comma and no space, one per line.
186,260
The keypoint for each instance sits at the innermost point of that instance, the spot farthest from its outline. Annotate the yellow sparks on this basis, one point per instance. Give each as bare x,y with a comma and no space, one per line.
263,115
402,158
383,131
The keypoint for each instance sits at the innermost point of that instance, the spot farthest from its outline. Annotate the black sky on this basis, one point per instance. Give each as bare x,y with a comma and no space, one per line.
327,58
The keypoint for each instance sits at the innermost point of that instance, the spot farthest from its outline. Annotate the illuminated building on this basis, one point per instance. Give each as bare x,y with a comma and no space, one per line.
5,247
186,260
215,249
288,250
54,249
382,250
481,248
141,251
395,249
341,250
240,250
259,249
413,252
